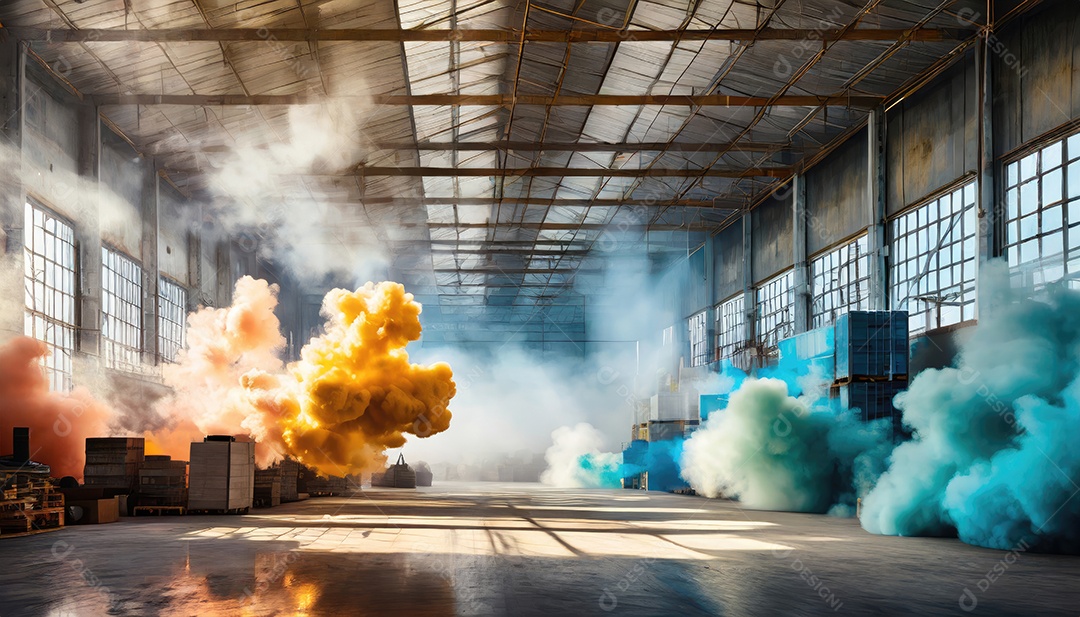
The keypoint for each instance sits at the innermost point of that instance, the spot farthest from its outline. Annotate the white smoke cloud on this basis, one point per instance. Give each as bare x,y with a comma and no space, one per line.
576,460
512,399
774,451
302,223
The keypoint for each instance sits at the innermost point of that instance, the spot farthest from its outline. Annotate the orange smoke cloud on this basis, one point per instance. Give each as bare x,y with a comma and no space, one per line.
223,345
353,394
59,423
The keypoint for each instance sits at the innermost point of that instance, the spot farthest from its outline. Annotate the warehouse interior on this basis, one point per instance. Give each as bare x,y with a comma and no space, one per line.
501,307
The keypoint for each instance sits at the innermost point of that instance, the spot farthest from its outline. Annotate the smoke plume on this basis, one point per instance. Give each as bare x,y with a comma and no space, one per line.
576,461
359,394
774,451
993,455
59,423
263,202
352,395
223,345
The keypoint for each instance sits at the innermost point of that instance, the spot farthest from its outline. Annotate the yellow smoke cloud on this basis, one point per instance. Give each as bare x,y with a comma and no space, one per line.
352,395
359,394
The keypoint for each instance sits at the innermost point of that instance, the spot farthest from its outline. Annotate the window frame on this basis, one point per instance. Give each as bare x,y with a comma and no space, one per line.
774,304
1039,230
168,324
121,315
933,260
730,326
839,281
40,320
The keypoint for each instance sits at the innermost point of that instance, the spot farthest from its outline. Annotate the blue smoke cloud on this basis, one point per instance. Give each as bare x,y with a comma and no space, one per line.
993,458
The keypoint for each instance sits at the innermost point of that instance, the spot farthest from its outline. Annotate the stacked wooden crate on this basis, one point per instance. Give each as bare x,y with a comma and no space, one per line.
324,485
222,475
114,462
162,482
290,471
267,487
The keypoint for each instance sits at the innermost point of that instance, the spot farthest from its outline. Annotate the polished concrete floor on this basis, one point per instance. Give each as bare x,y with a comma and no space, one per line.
517,549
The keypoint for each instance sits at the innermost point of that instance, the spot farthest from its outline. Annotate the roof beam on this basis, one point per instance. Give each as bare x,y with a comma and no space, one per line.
530,146
496,271
514,251
512,225
722,204
496,100
177,35
552,172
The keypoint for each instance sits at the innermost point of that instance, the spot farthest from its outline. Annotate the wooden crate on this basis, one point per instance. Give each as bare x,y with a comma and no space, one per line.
222,476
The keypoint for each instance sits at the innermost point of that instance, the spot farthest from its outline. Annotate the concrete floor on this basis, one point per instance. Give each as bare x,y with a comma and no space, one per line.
516,549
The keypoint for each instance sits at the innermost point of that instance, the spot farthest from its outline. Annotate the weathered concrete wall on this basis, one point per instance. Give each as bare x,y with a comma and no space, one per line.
729,262
50,150
837,195
771,229
692,299
1036,75
173,240
932,137
122,195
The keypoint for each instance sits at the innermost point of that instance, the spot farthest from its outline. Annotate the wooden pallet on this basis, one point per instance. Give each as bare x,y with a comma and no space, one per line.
843,381
38,506
159,510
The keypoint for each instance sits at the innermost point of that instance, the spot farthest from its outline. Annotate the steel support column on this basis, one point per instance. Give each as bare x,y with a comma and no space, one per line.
875,231
802,278
986,187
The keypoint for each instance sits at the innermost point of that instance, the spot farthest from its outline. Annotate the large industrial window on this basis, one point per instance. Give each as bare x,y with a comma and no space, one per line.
699,339
121,300
839,282
49,268
730,327
1042,214
172,303
774,304
933,261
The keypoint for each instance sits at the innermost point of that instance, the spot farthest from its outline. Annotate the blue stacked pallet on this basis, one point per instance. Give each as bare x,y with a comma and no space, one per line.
873,400
634,461
709,403
871,345
814,348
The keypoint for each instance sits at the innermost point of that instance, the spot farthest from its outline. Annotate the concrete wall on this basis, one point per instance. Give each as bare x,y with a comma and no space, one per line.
111,194
728,265
771,237
932,137
122,197
50,150
693,297
1037,75
173,234
837,195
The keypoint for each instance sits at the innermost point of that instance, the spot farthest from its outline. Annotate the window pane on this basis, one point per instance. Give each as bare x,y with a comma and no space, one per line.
1051,187
1051,156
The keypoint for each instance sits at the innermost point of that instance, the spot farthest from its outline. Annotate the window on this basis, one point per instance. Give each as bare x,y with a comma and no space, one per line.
839,282
933,261
699,339
49,269
668,336
730,326
1042,214
121,301
172,313
774,304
